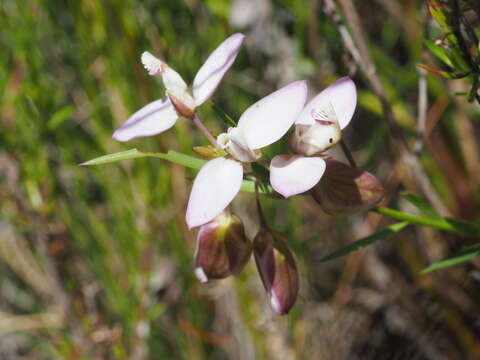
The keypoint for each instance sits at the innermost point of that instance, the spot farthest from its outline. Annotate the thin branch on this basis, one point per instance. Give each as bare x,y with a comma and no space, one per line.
422,109
204,131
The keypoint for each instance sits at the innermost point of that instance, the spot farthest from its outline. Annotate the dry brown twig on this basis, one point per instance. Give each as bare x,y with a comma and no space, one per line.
357,47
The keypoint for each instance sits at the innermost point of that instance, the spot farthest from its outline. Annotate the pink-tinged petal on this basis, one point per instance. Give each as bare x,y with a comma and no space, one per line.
214,69
152,119
294,174
215,186
341,94
269,119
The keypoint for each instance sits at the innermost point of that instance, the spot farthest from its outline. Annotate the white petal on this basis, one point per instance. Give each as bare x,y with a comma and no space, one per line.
341,94
152,119
151,63
175,86
294,174
213,70
215,186
269,119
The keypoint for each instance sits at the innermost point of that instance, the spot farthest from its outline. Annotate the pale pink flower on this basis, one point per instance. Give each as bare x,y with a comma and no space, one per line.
180,100
260,125
317,128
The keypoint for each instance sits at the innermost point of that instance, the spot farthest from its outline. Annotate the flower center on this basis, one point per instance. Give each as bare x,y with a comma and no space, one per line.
235,144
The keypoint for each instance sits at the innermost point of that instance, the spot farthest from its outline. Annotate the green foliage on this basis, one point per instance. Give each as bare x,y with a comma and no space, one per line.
467,254
457,47
172,156
362,243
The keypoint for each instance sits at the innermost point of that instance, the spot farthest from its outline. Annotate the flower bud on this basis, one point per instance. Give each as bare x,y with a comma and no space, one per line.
277,268
222,248
208,152
347,190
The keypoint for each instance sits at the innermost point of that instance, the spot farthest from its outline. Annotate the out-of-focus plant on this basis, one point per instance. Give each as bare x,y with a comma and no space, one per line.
457,45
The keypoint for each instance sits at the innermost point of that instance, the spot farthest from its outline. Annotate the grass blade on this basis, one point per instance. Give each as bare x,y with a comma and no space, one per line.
467,254
359,244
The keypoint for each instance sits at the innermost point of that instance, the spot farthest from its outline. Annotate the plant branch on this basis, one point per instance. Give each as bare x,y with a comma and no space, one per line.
198,123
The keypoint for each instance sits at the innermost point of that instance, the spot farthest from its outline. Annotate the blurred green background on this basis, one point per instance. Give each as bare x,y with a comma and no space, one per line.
96,263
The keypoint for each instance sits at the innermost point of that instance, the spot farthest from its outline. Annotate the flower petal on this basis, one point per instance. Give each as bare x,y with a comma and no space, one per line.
341,94
213,70
295,174
152,119
215,186
269,119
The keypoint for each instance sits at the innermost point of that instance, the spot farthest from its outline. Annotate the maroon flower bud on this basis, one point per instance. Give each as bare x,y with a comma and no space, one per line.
347,190
277,268
222,248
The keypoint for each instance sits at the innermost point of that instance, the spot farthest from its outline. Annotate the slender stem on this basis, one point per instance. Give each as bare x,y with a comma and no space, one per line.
205,131
348,154
261,215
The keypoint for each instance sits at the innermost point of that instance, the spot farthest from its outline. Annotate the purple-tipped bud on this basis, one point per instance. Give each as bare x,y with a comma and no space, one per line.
347,190
222,248
277,268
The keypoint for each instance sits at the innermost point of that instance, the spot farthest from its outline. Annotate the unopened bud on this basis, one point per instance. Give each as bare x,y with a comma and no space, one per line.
277,268
347,190
222,248
209,152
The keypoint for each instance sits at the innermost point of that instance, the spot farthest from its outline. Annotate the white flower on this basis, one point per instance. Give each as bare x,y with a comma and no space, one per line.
180,100
317,128
260,125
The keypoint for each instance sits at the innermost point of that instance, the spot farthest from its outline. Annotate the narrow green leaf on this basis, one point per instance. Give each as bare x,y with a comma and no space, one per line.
467,254
445,224
439,52
122,155
180,159
172,156
359,244
421,204
438,13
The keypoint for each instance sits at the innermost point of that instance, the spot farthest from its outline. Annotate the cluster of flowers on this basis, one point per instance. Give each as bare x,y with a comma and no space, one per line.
222,247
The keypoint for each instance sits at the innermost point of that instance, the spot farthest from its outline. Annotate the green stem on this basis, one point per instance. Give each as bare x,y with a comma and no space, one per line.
348,154
261,215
